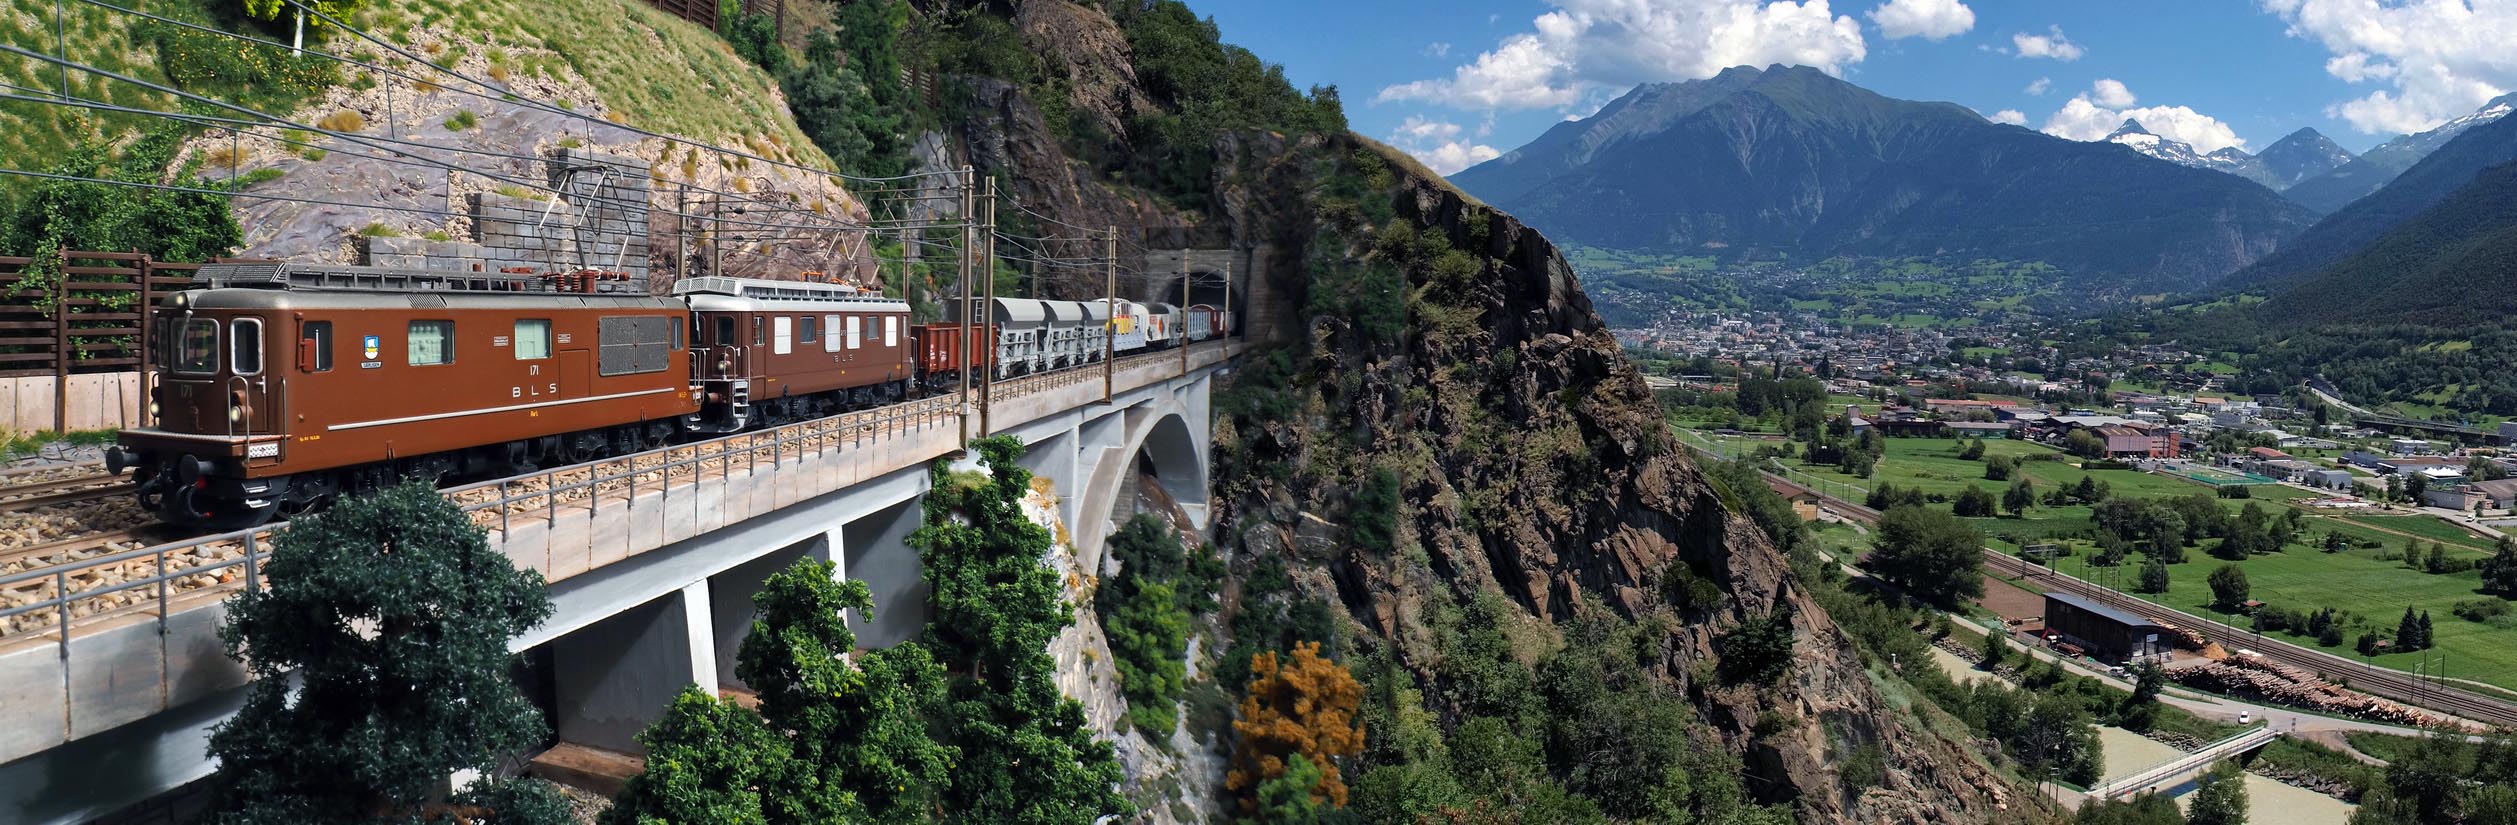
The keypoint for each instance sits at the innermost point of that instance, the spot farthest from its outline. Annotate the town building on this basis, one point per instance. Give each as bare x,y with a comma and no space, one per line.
2104,632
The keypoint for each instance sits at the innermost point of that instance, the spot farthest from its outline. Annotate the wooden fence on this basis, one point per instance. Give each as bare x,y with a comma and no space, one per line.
704,12
82,333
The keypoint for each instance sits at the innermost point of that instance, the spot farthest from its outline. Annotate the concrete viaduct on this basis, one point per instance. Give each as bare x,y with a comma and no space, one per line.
652,561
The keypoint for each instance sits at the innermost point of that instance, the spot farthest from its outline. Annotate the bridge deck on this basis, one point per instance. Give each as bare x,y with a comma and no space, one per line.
2240,742
141,625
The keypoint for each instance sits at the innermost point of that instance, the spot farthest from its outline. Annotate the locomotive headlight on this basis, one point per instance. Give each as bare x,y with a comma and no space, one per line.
153,413
235,415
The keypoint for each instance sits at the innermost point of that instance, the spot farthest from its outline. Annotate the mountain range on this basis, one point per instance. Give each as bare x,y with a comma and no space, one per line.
2372,170
2227,159
1794,163
2448,166
2454,263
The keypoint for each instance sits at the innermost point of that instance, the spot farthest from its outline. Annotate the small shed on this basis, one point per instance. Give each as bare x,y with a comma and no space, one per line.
2107,633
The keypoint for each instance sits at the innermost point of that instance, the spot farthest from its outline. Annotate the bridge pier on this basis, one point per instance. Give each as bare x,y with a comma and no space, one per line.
616,676
877,552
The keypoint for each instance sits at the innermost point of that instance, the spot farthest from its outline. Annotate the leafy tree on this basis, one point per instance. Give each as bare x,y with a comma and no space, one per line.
2228,588
1288,800
1974,502
1149,637
2084,444
380,665
2153,576
1027,755
2416,488
708,760
1305,707
1147,617
862,747
1930,554
2020,496
168,225
1999,468
1995,647
1972,450
2140,809
2219,798
2499,572
2330,636
2140,709
1759,650
2367,645
335,9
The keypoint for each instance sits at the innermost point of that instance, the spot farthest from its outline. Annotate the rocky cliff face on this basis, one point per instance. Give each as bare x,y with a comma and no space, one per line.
1448,346
1536,462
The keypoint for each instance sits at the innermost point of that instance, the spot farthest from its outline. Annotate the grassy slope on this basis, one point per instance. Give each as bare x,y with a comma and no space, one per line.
695,88
32,134
2356,581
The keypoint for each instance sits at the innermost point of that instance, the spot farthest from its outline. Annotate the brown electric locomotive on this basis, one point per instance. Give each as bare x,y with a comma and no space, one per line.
280,387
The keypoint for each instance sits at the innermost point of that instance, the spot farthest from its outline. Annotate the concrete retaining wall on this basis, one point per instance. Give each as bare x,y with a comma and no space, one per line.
98,401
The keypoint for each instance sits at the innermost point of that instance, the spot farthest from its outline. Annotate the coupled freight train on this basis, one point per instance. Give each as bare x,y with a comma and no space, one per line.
280,387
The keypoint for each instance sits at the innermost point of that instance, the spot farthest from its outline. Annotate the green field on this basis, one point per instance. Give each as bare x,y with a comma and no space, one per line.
2426,527
2356,581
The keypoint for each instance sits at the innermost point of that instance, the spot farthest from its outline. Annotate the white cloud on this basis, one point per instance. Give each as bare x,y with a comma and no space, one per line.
2111,93
1437,143
1437,49
2010,116
2441,58
2053,45
2094,114
1928,19
1584,45
2039,86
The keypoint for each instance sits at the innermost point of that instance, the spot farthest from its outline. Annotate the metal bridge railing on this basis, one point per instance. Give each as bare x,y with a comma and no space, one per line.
154,581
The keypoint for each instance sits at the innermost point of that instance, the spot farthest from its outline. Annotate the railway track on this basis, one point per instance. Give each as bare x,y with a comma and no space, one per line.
65,490
2419,692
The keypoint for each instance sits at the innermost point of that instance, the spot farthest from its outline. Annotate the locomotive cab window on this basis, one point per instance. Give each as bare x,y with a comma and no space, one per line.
432,343
725,331
314,346
245,342
196,351
533,339
760,331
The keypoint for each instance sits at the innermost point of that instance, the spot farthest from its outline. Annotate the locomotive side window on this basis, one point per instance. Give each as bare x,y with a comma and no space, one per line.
247,342
831,342
854,341
891,330
432,343
804,330
760,328
314,346
533,339
677,337
784,338
196,351
725,331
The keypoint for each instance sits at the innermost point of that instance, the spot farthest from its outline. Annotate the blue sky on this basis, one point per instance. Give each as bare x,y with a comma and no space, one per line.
1455,82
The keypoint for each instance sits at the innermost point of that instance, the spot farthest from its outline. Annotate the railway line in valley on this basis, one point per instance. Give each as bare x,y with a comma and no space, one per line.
106,555
2418,691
